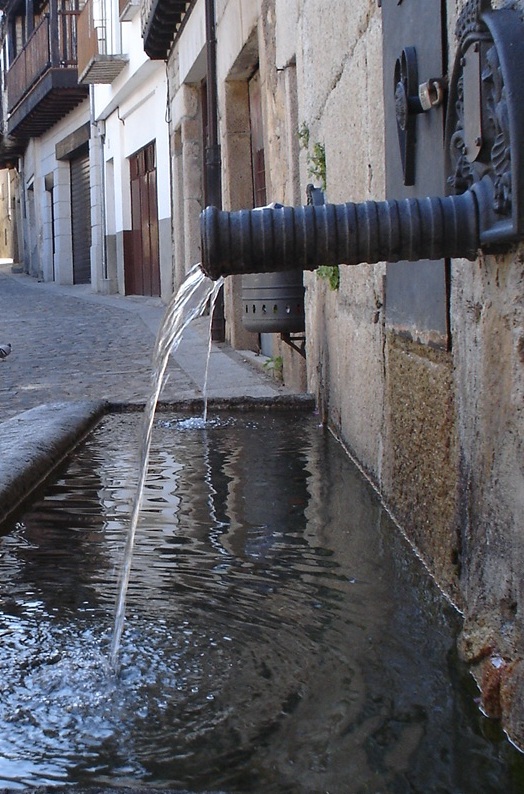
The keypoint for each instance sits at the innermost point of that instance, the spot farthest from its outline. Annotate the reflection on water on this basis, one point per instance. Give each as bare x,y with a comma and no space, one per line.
280,635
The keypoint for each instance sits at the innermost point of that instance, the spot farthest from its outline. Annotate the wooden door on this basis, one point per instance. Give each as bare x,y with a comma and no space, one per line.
142,266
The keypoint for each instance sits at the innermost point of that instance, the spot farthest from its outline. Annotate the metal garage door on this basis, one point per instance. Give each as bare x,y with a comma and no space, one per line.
81,217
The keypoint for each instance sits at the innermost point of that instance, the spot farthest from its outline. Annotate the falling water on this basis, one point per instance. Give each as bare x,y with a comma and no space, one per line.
186,305
213,300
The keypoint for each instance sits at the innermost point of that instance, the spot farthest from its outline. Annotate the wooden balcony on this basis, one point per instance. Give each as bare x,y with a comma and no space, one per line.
97,60
128,9
42,82
161,21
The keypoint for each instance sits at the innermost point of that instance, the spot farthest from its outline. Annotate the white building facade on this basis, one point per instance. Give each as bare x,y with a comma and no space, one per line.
87,132
130,173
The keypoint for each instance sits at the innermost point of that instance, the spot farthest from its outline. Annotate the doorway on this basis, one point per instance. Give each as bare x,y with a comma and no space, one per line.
81,216
142,266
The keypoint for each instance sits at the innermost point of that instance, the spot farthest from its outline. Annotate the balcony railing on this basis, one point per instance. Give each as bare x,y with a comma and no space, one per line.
98,58
128,9
42,51
42,81
10,148
32,62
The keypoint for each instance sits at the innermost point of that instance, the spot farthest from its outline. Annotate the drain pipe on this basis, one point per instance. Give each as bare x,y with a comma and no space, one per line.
213,162
213,158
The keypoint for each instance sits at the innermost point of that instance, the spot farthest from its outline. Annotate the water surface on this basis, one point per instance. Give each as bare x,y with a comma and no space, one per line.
279,637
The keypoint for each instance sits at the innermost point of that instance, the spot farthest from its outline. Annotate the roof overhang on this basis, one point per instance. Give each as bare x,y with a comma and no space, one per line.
162,21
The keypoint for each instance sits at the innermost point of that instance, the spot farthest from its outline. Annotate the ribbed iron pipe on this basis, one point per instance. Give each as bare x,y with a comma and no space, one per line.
303,238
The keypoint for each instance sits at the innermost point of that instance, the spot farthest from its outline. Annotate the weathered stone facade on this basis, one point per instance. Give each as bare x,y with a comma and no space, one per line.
439,431
9,181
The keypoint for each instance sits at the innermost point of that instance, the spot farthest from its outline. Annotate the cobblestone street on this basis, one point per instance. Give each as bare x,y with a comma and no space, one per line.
70,344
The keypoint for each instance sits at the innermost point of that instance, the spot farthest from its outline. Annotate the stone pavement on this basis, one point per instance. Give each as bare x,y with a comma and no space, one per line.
70,344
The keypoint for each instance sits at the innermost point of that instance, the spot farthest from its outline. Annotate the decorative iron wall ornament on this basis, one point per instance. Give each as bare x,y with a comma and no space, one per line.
487,95
484,207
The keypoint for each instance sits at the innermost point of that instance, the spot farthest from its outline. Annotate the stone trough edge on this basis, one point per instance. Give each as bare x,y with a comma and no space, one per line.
35,442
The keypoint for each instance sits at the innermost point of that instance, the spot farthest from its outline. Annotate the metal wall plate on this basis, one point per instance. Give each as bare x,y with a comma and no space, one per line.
416,294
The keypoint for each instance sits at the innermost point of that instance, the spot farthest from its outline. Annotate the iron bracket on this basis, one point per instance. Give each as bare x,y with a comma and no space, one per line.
291,341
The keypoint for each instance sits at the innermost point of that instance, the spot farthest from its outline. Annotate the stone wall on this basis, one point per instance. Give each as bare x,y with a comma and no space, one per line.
488,315
439,431
9,193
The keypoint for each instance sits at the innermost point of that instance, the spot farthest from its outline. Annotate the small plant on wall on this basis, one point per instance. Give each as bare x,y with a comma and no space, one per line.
331,273
316,169
275,366
316,156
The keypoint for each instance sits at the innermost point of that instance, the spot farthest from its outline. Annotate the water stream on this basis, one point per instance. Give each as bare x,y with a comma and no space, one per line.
189,302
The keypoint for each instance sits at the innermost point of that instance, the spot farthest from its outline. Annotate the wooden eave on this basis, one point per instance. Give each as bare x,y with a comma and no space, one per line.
161,24
55,94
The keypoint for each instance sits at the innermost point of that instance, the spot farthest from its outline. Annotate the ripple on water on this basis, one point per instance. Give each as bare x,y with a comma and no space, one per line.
280,637
201,423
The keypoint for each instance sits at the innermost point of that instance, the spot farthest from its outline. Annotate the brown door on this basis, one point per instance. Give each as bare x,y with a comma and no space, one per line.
142,264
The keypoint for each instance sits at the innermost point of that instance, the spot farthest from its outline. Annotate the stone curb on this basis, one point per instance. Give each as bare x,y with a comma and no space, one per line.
278,402
35,442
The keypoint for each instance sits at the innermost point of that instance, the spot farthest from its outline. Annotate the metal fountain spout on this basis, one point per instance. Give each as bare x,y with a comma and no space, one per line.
484,208
288,238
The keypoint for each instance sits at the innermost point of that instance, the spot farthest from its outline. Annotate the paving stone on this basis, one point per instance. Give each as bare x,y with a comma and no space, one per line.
70,344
